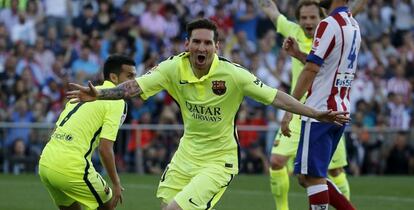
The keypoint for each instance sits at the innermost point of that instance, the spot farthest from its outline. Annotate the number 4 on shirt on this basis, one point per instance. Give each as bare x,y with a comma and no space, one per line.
352,53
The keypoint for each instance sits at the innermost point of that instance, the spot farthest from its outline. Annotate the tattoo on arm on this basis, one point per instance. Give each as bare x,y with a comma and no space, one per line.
125,90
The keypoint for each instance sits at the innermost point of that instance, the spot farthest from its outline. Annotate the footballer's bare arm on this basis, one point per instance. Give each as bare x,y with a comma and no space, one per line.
124,90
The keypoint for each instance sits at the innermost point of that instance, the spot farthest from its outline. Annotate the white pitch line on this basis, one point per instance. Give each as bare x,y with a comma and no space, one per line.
250,192
294,194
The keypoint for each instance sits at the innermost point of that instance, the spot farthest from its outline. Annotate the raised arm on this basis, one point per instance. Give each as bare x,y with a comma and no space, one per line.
270,9
125,90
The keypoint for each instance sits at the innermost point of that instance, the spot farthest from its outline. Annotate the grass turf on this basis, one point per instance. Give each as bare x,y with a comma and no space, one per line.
25,192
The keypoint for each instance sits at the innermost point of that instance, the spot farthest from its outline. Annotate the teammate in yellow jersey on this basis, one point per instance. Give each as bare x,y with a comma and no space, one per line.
209,90
65,166
309,14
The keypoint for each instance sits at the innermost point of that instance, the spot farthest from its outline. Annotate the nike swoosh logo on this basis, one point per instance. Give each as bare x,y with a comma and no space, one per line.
183,82
191,201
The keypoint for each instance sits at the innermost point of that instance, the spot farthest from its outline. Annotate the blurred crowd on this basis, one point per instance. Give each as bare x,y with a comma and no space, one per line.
44,44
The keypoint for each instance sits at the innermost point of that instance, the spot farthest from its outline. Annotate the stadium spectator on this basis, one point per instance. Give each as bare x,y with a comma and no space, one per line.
106,15
19,114
240,42
400,85
43,56
400,157
58,14
84,68
372,27
246,20
397,112
28,63
223,20
35,12
10,15
403,19
87,21
21,158
271,68
9,76
172,24
124,21
24,30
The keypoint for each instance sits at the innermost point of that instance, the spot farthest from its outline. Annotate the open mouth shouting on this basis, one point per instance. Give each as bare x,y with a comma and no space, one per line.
309,30
201,59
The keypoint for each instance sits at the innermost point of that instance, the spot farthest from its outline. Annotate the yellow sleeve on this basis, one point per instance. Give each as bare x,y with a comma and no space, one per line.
154,80
254,88
284,26
113,119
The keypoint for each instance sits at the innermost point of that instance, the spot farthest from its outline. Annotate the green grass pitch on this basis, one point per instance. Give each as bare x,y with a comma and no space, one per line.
25,192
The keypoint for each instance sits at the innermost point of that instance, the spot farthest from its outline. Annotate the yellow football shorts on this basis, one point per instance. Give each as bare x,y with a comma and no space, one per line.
192,186
339,156
65,190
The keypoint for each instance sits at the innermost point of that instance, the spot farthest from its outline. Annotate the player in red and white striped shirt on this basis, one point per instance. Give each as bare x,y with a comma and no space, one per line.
327,76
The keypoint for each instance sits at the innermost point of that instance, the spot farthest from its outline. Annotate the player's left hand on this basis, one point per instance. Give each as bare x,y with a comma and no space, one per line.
339,118
117,196
284,124
290,45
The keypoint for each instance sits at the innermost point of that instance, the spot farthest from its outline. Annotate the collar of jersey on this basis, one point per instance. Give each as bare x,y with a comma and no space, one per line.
108,84
338,10
187,73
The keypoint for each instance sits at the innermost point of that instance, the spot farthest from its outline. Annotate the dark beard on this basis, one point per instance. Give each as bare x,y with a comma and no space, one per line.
325,4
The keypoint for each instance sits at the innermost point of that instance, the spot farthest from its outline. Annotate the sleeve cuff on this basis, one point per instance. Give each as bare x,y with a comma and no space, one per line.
314,59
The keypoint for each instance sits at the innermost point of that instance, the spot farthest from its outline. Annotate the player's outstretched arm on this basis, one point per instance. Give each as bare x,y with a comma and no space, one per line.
270,9
108,160
290,104
125,90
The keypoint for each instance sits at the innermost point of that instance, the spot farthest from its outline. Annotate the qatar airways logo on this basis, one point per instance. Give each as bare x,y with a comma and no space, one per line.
205,113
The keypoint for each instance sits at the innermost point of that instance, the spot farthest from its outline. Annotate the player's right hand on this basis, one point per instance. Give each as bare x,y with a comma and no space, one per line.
82,93
117,196
337,117
284,124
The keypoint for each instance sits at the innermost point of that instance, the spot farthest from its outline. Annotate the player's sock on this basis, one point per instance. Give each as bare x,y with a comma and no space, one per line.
318,197
342,183
279,184
336,199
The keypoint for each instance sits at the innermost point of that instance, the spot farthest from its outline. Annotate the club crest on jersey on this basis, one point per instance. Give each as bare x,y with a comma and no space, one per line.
316,43
219,87
107,190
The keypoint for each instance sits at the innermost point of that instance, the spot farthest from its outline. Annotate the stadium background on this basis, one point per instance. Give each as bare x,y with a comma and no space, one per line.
44,44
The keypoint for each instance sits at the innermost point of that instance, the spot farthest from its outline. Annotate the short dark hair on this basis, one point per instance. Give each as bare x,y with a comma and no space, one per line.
113,64
303,3
202,23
